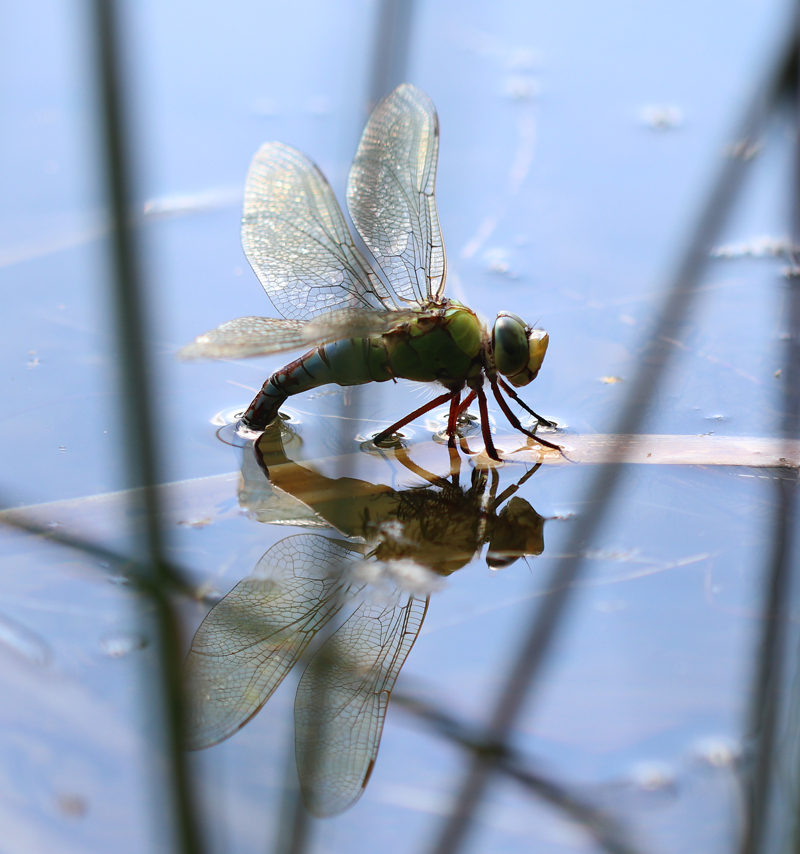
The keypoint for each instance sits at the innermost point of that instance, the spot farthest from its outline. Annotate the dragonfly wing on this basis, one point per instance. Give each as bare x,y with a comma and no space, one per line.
249,640
358,323
390,194
261,336
296,239
342,698
247,336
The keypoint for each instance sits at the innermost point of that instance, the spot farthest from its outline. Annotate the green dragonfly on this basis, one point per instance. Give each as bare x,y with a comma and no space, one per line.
363,323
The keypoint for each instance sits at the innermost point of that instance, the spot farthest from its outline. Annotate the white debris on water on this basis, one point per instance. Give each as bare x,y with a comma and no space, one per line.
762,246
120,645
662,116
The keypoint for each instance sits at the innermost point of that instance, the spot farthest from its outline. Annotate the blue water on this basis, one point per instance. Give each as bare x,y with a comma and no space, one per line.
560,201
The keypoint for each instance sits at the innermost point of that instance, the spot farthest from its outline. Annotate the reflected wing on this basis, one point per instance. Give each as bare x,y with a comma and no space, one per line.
390,193
260,336
249,640
342,698
296,239
271,505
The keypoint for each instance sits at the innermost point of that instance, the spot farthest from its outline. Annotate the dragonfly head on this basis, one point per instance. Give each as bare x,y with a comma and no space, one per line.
518,349
518,531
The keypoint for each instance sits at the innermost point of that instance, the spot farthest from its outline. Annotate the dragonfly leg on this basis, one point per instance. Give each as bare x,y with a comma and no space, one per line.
451,421
466,402
511,393
401,454
515,421
456,411
437,401
462,408
486,429
509,491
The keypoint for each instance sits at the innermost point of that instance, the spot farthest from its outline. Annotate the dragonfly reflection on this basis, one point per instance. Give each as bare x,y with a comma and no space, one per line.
400,543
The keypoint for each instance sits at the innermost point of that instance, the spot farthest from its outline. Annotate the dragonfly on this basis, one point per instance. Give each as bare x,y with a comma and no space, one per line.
381,576
362,322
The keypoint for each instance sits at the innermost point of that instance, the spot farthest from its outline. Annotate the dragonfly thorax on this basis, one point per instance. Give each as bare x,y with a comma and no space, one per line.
445,345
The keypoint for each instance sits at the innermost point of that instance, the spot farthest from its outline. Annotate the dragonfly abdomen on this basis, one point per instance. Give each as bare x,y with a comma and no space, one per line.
447,347
352,361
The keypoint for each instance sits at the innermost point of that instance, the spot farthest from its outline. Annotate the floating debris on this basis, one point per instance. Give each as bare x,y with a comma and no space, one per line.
73,806
206,592
497,262
762,246
717,751
119,645
653,776
195,523
662,116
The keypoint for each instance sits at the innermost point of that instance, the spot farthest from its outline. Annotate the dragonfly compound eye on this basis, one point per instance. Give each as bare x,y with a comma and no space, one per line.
518,350
510,344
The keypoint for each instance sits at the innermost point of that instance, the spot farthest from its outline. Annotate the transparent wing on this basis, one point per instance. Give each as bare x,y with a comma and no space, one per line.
246,336
296,239
342,698
260,336
390,194
249,640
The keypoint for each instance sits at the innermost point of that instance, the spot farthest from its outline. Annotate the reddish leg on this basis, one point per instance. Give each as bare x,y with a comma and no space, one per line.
462,408
437,401
486,429
451,421
515,421
466,402
511,393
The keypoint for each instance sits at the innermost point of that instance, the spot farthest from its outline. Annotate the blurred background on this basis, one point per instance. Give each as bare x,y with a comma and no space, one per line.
582,148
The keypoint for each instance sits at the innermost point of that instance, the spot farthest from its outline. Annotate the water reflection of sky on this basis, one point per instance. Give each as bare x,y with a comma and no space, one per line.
559,200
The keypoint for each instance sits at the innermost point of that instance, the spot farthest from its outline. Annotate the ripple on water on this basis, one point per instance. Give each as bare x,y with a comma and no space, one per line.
24,642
